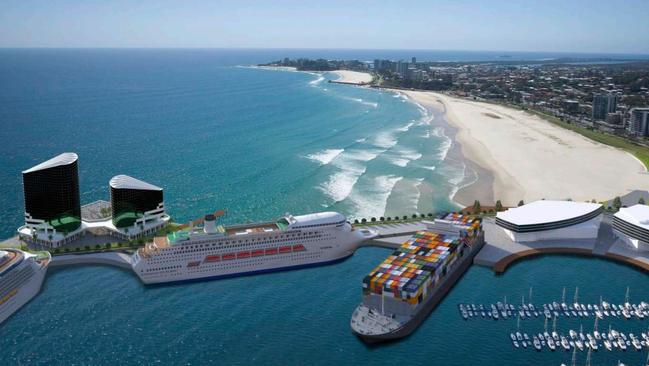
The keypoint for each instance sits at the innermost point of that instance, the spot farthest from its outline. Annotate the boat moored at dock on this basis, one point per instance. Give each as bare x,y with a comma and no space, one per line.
404,289
21,277
208,250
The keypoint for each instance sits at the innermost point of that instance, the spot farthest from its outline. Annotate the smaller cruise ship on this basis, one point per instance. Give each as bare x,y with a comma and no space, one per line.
21,276
207,250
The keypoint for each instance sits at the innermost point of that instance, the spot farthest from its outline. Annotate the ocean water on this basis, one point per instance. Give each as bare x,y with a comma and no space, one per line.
216,134
257,143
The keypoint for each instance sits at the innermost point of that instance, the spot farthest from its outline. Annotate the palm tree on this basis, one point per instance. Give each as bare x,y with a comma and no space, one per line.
499,206
617,203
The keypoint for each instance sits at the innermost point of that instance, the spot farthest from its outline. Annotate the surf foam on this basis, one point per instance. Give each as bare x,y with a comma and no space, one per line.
326,156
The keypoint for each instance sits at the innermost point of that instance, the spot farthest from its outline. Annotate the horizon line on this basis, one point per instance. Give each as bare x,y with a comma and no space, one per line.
306,48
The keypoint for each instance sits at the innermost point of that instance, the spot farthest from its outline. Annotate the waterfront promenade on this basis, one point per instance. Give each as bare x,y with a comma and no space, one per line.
500,251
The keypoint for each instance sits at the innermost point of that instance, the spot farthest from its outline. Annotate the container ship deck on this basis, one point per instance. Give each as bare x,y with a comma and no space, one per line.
400,293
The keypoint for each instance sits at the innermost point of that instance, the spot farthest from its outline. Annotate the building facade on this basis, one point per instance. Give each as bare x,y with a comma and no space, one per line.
51,192
603,104
639,122
631,226
551,220
134,202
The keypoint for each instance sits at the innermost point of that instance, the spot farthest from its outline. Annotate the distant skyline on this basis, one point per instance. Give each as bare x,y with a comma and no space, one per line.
553,26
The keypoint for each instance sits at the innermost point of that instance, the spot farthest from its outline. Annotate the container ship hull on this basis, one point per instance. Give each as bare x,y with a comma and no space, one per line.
297,242
430,303
21,283
405,288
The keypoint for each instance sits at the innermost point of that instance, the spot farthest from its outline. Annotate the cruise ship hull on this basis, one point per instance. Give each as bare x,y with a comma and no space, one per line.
208,257
24,293
430,303
251,273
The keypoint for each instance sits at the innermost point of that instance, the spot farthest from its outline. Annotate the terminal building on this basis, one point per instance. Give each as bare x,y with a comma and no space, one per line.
631,225
551,220
53,213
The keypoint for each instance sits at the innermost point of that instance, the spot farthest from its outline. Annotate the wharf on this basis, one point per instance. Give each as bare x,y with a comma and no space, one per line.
121,260
500,251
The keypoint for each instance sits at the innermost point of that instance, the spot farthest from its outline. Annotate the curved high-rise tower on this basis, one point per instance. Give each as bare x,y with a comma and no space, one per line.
51,191
133,200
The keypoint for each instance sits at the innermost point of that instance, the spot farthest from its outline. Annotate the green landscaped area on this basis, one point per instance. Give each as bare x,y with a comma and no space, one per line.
66,224
640,152
126,219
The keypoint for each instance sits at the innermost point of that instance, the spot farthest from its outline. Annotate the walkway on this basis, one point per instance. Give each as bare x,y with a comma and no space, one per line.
393,235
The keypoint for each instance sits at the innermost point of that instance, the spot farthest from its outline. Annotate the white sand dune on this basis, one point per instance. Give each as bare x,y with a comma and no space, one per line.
531,158
352,77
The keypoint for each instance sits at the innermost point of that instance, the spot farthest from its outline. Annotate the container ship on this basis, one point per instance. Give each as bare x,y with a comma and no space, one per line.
21,277
208,251
400,293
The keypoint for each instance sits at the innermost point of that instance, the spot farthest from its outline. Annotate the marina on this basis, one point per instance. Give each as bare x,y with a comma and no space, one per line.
612,340
603,310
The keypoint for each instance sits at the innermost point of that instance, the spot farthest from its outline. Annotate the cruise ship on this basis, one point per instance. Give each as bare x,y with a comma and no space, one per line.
205,250
21,276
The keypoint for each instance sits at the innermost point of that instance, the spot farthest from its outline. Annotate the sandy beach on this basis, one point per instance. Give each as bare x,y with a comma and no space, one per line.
529,158
352,77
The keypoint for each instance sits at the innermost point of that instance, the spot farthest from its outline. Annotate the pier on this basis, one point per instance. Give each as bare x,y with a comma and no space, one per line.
116,259
500,251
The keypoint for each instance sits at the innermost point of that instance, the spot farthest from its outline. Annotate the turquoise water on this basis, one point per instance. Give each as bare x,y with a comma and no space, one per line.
257,143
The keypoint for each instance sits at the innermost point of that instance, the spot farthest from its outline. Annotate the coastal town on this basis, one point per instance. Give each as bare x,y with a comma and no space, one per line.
598,94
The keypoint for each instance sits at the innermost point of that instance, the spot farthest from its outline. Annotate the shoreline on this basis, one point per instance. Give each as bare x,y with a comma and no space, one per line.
481,188
351,77
511,155
530,158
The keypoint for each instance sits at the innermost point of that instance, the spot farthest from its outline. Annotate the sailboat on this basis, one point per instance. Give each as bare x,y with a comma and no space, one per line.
574,357
546,335
595,331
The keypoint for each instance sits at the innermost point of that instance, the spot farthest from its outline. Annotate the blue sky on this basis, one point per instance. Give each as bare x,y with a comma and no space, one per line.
572,26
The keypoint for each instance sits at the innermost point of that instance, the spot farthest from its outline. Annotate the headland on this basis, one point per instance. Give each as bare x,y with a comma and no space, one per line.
352,77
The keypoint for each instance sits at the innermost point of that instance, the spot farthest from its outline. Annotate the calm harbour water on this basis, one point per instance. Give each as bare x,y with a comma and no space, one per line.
258,143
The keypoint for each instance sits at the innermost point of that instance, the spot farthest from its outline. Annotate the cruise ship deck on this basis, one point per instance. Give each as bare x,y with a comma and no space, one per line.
8,259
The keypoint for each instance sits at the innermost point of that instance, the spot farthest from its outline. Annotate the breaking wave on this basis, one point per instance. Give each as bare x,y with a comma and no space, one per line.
373,201
326,156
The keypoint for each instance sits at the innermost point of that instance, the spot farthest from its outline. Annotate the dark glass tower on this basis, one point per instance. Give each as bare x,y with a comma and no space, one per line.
130,198
52,193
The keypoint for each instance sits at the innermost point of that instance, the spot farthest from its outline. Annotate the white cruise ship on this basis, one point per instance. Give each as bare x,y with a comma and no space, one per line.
21,276
215,251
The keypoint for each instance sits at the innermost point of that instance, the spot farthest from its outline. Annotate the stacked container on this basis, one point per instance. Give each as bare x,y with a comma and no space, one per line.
416,266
